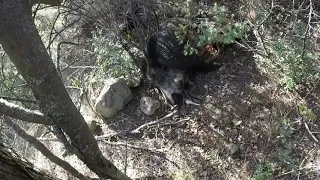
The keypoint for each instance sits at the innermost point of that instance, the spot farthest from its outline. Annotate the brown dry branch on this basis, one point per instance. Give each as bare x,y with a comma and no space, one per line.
310,133
137,130
53,29
307,31
58,52
40,147
47,2
154,150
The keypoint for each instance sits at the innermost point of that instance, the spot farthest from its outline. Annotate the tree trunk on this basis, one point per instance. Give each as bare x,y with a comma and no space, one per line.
13,168
21,41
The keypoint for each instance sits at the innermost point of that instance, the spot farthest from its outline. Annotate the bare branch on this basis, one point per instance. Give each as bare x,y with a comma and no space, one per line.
17,112
154,150
53,29
137,130
310,133
19,99
47,2
307,31
39,146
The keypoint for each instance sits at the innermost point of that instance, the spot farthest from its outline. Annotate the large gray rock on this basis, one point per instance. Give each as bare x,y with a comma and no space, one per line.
149,105
114,96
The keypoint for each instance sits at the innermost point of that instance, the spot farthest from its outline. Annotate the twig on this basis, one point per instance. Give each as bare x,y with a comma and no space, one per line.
189,102
313,137
35,11
137,130
269,14
267,54
289,172
48,139
126,157
135,147
73,87
174,123
313,88
305,159
51,31
307,28
84,67
70,64
61,31
58,53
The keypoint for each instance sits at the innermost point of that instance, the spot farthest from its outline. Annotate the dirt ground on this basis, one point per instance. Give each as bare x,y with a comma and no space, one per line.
231,132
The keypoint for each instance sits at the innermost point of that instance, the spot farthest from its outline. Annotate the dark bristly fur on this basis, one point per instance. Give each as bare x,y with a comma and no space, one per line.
167,64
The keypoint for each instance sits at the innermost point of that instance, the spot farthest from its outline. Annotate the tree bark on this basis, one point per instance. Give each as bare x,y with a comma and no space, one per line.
13,168
22,42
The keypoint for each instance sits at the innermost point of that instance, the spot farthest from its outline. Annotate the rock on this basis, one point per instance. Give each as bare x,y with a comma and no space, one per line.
114,96
95,128
149,105
234,150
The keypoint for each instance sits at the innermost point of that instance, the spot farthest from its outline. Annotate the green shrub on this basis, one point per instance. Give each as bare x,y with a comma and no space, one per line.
203,25
112,59
289,47
262,172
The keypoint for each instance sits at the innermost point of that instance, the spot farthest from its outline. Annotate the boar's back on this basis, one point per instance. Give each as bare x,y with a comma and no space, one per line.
165,51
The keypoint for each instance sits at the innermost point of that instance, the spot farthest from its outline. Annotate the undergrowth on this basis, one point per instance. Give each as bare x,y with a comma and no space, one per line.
112,60
287,45
204,25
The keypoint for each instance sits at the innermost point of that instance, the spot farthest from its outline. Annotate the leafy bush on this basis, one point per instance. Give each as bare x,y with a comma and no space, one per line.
288,146
295,61
285,132
113,60
288,44
262,172
203,25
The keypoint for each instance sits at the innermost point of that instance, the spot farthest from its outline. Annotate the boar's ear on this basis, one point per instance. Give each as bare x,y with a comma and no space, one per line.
152,48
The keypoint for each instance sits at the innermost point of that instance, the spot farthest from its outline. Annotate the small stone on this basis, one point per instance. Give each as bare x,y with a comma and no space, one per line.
234,150
149,105
236,123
